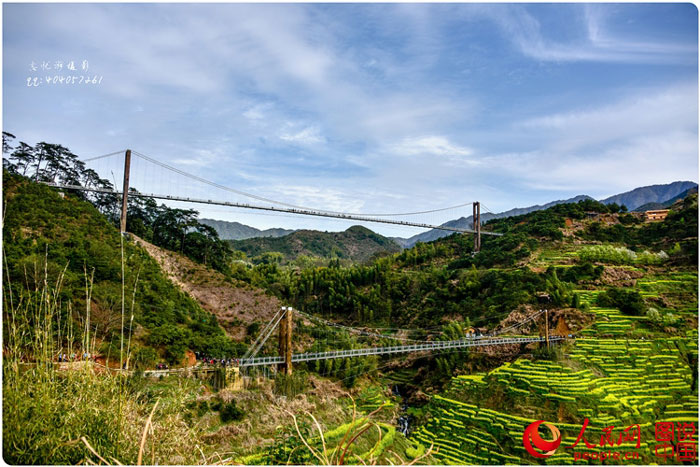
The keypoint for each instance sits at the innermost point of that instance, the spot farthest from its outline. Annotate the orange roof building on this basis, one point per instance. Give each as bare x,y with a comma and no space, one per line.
656,214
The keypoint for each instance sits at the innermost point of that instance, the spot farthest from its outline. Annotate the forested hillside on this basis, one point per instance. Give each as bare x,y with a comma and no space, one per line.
65,241
174,229
356,244
442,280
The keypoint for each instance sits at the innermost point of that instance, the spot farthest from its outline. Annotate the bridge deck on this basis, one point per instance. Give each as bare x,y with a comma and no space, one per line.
303,212
427,346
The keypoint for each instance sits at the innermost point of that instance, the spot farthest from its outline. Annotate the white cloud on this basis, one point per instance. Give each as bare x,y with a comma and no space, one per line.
258,112
433,145
636,162
647,112
597,42
307,135
201,158
318,198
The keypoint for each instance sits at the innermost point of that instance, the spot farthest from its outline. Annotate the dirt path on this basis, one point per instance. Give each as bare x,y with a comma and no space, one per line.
234,303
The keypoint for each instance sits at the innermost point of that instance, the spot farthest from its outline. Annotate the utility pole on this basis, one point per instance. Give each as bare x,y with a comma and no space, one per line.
288,347
285,341
546,327
125,190
476,220
282,340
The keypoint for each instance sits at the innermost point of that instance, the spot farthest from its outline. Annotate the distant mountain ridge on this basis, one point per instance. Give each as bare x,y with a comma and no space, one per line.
649,194
468,222
237,231
632,199
647,197
356,243
667,203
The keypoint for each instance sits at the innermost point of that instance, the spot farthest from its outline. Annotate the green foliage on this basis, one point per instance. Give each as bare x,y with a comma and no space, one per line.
144,357
345,369
45,232
576,301
47,412
174,229
288,449
253,328
581,272
628,301
291,385
230,412
679,227
629,219
551,353
178,230
620,255
307,247
607,254
559,292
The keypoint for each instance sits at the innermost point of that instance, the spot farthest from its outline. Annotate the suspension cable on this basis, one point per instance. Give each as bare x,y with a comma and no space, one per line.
105,155
269,200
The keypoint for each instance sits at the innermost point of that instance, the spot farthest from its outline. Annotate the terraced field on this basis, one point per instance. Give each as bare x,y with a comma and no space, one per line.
371,398
678,290
610,381
373,445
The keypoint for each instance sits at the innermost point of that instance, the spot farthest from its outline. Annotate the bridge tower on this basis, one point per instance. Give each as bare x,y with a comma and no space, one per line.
285,341
125,190
476,219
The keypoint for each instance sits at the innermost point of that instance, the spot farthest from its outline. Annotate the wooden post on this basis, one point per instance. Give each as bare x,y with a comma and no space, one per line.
546,327
282,341
288,346
476,221
125,189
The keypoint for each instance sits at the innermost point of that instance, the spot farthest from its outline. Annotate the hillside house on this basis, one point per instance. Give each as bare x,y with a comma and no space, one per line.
655,215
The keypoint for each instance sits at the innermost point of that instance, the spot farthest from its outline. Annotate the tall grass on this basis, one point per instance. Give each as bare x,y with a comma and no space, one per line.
79,413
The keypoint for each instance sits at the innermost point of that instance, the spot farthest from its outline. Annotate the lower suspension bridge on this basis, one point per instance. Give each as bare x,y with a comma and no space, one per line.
285,358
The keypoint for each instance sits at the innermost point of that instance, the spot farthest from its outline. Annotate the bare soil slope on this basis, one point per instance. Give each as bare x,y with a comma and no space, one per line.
234,303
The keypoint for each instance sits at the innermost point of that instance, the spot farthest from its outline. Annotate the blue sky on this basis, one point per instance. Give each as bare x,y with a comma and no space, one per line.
370,107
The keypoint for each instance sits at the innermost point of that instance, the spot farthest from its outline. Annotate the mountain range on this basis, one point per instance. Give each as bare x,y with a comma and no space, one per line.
667,203
665,194
642,198
237,231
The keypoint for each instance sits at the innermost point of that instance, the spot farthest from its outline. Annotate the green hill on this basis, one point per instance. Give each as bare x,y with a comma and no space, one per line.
433,281
355,244
49,235
237,231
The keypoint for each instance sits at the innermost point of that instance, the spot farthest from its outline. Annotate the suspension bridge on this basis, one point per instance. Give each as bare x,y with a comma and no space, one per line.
284,318
285,358
158,180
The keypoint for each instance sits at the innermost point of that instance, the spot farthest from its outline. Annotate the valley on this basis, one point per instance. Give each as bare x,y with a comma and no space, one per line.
620,291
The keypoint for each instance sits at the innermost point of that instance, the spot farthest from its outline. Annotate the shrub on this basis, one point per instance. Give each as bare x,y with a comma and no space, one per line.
627,301
230,412
647,257
581,272
290,385
144,357
607,254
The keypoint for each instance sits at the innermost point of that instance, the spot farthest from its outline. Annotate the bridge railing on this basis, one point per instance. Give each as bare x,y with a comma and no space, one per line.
436,345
